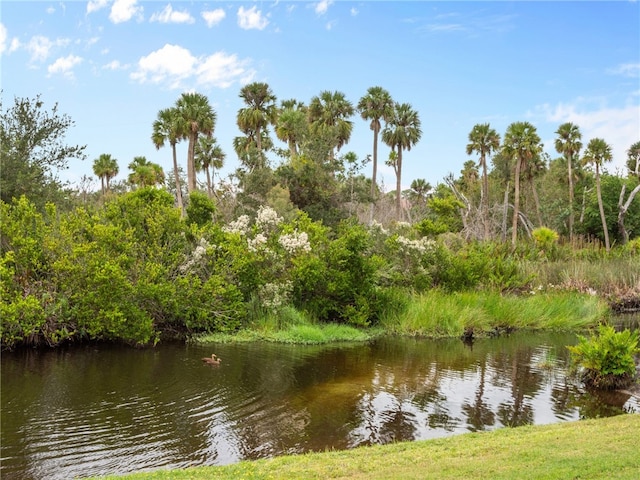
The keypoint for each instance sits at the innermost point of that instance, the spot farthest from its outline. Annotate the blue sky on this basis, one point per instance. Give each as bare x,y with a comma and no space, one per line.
111,65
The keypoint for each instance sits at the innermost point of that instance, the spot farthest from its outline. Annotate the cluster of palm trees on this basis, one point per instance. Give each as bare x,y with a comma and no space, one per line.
522,149
323,126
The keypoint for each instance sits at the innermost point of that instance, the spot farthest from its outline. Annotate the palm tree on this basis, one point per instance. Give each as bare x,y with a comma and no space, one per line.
291,125
209,155
105,167
598,152
328,114
259,112
376,105
199,118
568,144
522,144
401,133
483,140
170,127
145,173
420,190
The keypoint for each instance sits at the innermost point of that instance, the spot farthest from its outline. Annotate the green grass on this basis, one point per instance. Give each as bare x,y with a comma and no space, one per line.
433,314
293,326
439,314
589,449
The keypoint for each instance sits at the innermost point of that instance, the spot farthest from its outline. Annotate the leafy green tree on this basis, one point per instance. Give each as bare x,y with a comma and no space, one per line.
597,153
483,140
522,144
33,150
568,144
329,114
401,133
170,127
199,118
259,112
145,173
375,106
633,159
105,167
209,155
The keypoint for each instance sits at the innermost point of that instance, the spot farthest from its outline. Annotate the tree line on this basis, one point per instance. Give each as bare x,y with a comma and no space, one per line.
160,254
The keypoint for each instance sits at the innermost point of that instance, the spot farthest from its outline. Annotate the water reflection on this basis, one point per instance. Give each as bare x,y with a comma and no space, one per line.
99,410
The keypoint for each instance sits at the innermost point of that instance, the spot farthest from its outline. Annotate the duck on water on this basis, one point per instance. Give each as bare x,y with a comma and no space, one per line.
213,360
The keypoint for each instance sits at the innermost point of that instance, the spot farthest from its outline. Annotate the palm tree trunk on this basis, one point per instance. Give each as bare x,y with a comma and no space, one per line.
375,173
209,189
399,184
505,209
602,217
177,179
485,198
570,200
191,169
516,205
536,201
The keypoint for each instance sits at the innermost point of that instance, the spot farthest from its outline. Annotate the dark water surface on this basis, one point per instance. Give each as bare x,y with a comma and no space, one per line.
100,409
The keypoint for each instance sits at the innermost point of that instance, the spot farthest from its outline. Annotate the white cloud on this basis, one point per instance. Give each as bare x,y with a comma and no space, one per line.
64,66
3,38
169,15
40,47
354,11
213,17
626,69
171,64
331,24
174,66
251,19
114,65
125,10
445,27
322,6
222,70
618,126
95,5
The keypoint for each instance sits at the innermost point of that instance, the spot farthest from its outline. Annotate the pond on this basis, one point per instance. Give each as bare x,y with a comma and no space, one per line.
95,410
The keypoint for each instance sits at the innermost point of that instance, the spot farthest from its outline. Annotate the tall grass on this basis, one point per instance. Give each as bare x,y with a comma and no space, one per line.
610,277
438,314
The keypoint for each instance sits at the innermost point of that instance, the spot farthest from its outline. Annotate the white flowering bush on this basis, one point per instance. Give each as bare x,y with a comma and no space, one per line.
295,242
273,296
196,256
409,246
240,225
267,218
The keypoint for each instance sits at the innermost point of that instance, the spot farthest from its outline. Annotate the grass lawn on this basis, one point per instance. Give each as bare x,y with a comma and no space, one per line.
589,449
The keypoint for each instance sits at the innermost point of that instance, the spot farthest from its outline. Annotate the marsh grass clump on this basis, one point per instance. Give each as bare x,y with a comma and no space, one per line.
606,359
441,314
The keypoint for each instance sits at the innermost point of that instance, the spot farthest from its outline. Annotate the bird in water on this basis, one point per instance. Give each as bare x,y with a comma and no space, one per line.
213,360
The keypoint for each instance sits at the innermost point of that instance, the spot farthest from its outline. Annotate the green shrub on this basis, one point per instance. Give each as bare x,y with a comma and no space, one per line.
545,240
607,359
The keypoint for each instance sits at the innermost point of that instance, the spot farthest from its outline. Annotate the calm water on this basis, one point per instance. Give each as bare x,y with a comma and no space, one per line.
98,410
